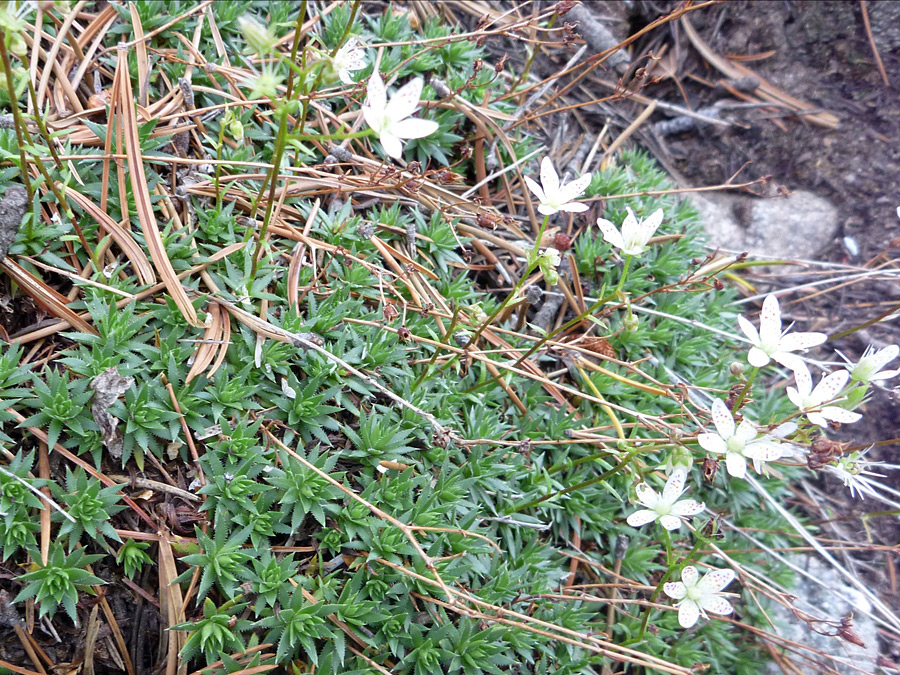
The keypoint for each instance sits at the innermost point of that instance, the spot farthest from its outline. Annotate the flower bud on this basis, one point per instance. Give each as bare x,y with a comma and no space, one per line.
737,368
630,323
258,37
681,459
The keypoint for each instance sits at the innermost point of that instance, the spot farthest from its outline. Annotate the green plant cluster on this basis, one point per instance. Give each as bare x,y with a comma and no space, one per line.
282,549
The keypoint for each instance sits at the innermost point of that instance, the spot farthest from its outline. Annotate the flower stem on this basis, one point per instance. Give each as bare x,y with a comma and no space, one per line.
581,317
745,390
531,263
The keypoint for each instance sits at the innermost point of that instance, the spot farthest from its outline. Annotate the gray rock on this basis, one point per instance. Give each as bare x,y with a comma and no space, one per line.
12,208
797,226
826,602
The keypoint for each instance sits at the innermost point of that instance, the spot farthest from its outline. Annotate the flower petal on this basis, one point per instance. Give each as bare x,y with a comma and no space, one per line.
746,431
546,209
535,188
817,418
646,495
650,224
641,517
712,443
804,383
670,522
574,189
611,233
757,357
376,97
675,590
764,451
793,342
748,329
716,580
736,465
830,387
688,507
882,357
549,178
770,320
391,144
404,102
574,207
716,604
884,375
788,360
688,613
413,127
842,415
689,575
674,486
722,418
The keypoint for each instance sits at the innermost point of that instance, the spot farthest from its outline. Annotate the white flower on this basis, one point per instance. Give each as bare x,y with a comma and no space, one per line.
633,238
787,449
699,597
551,257
737,444
349,58
770,343
554,197
810,400
853,470
871,363
391,119
666,508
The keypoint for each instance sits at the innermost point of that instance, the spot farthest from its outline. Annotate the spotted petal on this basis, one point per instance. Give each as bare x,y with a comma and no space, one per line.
830,387
670,522
674,486
404,102
611,233
549,179
764,451
689,575
572,190
736,465
675,590
650,224
793,342
712,443
376,97
647,495
716,604
574,207
641,517
688,613
722,418
770,320
835,414
688,507
715,580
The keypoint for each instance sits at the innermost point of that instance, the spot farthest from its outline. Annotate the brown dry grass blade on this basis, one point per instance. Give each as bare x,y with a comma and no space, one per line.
766,90
128,123
206,350
120,235
45,296
170,604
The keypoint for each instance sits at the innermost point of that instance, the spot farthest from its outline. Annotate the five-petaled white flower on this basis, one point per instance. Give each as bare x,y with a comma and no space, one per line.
554,197
870,365
666,508
635,234
737,444
699,596
391,119
349,58
810,401
770,343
